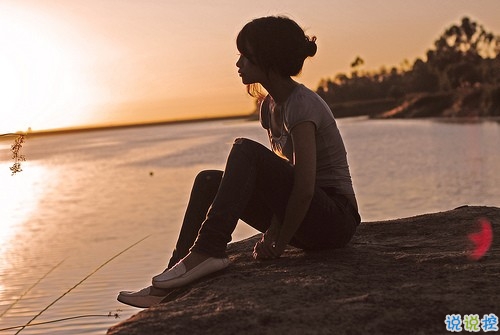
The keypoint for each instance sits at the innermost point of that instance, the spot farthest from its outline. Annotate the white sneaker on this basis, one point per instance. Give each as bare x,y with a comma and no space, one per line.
177,275
142,298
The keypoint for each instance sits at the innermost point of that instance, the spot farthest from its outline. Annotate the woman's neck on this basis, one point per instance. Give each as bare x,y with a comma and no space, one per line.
280,88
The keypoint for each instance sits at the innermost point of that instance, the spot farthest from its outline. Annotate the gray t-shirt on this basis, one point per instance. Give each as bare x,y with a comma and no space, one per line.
305,105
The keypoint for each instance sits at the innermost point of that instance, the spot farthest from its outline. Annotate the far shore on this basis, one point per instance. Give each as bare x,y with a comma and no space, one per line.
130,125
379,109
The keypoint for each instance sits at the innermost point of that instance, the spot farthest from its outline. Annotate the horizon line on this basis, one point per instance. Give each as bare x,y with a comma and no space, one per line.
76,129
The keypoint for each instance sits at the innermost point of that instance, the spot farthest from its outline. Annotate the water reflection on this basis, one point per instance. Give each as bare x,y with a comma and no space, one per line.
83,197
19,199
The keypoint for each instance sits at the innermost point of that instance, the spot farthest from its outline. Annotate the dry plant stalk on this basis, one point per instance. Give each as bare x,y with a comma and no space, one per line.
116,315
16,156
15,149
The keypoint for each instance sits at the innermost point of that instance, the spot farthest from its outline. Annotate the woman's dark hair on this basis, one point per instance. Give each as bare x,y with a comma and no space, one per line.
276,43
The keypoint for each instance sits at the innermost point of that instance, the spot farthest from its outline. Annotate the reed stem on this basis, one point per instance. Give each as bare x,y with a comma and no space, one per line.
80,282
115,315
30,288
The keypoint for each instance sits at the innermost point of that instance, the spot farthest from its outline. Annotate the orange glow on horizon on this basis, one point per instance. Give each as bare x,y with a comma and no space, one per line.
72,64
39,83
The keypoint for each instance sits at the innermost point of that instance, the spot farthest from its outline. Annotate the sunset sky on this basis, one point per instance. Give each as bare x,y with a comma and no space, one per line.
78,63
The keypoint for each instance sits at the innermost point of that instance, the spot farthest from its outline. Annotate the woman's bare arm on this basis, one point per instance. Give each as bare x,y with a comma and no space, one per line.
304,143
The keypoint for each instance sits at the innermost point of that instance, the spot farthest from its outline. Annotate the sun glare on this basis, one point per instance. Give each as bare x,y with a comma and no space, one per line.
18,201
41,84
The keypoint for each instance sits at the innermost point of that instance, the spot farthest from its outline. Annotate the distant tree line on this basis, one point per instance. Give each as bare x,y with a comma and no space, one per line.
465,57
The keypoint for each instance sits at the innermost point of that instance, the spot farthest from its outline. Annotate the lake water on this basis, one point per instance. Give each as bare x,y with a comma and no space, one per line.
84,197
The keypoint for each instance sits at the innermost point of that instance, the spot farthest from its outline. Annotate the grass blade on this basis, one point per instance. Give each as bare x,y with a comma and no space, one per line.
80,282
30,288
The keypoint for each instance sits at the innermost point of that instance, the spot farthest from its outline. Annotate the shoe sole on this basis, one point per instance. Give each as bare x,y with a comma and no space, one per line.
129,301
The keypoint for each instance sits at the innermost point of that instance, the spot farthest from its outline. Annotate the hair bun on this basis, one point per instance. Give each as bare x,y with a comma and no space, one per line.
310,46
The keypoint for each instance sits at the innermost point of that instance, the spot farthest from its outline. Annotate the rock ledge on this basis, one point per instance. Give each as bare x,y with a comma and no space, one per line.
396,277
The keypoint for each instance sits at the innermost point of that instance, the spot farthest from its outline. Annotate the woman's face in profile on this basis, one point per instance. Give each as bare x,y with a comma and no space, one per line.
248,70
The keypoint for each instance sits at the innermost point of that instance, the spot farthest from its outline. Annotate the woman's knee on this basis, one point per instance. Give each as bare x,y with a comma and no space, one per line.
245,143
248,147
208,177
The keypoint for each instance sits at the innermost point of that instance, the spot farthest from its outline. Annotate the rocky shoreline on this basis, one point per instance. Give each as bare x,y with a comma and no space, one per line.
464,103
467,102
399,276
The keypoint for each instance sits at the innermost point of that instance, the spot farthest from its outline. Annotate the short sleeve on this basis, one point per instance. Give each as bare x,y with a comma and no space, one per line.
302,108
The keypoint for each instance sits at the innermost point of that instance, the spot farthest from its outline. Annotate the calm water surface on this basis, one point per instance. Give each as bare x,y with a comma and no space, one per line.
84,197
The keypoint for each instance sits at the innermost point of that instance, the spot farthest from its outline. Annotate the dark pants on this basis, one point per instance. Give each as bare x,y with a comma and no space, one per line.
256,185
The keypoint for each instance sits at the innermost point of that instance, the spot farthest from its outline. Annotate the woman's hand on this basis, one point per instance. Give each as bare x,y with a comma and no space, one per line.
267,248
